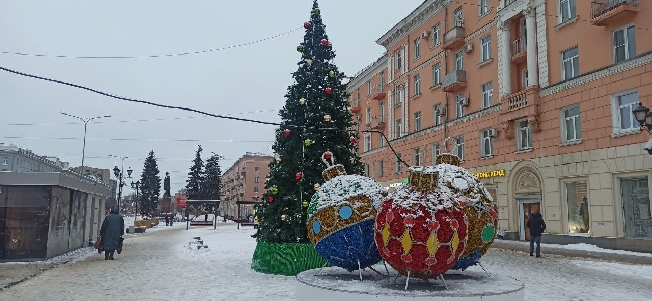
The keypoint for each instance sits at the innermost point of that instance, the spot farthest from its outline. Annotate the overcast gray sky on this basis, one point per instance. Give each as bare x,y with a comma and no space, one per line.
232,81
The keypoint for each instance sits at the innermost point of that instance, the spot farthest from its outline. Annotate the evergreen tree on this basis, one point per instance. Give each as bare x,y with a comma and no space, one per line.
213,179
315,119
150,186
196,177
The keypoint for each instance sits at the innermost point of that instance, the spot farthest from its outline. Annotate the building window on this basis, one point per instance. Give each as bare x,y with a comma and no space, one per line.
417,157
459,105
571,127
368,88
436,114
417,121
381,80
366,169
624,43
358,96
578,207
459,60
459,147
367,142
436,75
458,15
417,84
381,112
524,78
622,106
483,8
256,169
567,10
399,95
487,95
486,143
399,59
368,115
436,151
436,32
485,44
524,132
636,207
417,48
570,61
398,127
381,172
256,179
397,163
5,161
255,189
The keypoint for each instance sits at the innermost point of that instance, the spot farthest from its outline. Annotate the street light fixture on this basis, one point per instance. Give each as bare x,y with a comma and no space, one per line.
136,186
119,174
643,116
85,121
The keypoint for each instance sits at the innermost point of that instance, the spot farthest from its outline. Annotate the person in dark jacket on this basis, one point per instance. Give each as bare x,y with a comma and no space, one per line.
113,227
537,225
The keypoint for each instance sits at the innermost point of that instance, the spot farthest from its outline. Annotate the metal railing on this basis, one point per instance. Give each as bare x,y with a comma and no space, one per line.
601,7
519,46
517,101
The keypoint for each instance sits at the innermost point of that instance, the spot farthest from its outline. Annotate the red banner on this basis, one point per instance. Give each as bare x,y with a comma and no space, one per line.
181,201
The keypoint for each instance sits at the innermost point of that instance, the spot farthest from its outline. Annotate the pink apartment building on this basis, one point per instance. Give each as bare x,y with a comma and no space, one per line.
537,98
244,181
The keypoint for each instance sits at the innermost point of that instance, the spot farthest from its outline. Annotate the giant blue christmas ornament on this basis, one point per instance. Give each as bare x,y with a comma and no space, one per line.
341,217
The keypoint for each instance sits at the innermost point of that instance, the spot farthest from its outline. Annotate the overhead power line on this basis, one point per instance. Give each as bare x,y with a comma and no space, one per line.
63,56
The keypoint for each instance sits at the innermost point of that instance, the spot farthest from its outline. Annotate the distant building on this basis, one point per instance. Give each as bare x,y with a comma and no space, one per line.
244,181
13,158
102,174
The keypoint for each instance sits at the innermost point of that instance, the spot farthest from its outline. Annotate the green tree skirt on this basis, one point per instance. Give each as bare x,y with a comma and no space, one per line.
285,258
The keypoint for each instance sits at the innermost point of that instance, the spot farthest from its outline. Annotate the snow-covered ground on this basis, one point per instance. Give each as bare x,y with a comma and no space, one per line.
166,264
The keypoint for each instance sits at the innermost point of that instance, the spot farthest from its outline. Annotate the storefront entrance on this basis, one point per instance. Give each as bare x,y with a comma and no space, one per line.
526,206
636,207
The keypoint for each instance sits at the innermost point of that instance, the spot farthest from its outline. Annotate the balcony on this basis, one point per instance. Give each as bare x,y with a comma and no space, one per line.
378,123
519,50
355,107
454,38
454,81
378,92
521,104
605,12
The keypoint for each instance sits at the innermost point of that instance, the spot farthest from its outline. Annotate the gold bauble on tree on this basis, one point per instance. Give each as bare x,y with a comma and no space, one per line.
327,118
308,62
278,160
283,217
316,186
302,101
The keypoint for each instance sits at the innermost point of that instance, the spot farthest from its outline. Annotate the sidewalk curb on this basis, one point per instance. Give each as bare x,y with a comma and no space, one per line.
11,284
525,248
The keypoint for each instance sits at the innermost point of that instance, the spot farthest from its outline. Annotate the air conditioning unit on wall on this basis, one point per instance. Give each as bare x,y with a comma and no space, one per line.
464,102
468,48
441,111
492,132
425,34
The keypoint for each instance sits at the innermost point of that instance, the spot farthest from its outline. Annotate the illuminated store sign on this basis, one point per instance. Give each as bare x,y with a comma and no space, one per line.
490,174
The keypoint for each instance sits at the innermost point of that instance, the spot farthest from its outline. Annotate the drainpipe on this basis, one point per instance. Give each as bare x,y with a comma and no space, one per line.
445,72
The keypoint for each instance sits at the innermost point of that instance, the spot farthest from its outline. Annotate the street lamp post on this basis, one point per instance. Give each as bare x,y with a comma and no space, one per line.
136,186
644,117
118,172
85,121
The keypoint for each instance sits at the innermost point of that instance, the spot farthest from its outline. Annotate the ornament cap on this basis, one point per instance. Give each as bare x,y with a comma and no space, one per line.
423,178
333,170
448,157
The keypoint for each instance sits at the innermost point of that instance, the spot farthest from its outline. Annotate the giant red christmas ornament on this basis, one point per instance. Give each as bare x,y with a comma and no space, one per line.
324,42
306,25
328,91
286,133
420,231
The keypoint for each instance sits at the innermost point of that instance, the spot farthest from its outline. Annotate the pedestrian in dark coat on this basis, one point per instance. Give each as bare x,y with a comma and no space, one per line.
113,227
537,225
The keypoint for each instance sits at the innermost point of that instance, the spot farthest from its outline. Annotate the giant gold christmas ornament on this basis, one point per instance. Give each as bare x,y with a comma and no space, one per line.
341,217
421,230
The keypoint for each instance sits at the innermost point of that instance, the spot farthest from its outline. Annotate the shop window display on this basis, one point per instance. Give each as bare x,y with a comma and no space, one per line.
578,207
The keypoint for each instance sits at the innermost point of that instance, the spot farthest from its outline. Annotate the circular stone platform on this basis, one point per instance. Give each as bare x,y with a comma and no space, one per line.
336,284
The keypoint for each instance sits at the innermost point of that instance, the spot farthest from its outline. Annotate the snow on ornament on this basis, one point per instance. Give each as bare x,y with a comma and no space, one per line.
341,217
421,229
478,205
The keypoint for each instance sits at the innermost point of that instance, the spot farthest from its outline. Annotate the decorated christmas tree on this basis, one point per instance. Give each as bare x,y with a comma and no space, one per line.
315,119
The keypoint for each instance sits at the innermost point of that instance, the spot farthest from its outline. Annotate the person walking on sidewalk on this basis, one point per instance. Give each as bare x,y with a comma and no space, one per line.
537,225
113,227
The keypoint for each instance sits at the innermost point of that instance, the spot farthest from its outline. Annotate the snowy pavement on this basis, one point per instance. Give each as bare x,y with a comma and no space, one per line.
165,264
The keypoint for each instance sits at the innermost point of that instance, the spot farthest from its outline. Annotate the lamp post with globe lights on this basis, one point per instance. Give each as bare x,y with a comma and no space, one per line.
136,186
119,174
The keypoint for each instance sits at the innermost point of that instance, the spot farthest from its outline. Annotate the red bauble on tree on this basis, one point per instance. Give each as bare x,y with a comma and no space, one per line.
324,42
298,176
328,91
306,25
286,133
353,141
270,199
328,156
